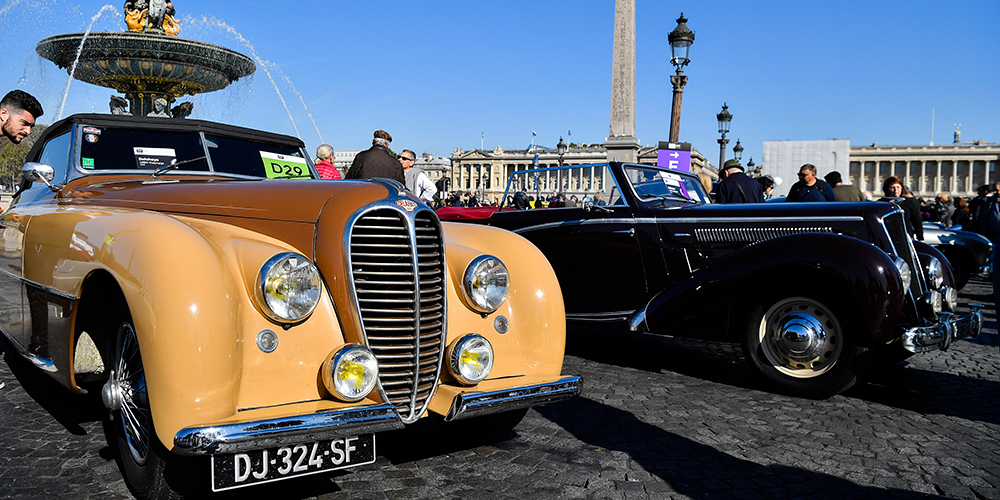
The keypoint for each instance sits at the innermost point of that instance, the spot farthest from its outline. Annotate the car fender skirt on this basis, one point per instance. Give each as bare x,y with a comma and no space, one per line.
271,432
703,305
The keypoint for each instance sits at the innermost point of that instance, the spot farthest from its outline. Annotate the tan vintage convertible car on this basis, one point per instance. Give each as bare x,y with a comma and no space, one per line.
247,324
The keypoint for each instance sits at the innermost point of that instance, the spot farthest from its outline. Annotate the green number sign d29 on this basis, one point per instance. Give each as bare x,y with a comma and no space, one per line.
278,166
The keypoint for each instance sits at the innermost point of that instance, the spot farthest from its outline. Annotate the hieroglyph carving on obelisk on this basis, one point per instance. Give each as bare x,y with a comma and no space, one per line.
621,143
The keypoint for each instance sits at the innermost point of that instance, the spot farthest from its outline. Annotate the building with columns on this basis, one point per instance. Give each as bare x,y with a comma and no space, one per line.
957,168
487,171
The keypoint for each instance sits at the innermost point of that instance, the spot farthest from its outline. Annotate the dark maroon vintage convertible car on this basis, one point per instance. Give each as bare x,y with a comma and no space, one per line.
813,291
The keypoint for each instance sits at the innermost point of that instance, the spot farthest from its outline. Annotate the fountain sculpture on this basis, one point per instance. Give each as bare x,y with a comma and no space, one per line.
148,63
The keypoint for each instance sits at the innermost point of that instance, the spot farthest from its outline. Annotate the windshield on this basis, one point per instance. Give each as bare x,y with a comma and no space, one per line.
110,149
651,183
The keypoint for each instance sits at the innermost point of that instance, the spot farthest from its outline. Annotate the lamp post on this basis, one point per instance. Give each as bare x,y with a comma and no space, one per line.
561,148
680,40
738,151
724,118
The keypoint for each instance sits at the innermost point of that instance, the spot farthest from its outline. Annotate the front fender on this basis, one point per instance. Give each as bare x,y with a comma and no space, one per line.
707,303
533,346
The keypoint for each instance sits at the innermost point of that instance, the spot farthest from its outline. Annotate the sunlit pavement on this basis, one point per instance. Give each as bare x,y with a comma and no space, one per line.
659,418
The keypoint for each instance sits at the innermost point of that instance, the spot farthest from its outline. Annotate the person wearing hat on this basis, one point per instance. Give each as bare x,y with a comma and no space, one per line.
376,161
737,187
841,191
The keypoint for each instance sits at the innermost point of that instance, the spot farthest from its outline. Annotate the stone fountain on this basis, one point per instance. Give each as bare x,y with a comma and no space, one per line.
148,63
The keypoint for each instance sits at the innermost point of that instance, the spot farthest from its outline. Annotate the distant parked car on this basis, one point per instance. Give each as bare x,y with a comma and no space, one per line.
811,290
966,251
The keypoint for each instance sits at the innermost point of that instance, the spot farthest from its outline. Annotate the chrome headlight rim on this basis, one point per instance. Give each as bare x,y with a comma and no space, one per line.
469,281
455,356
338,361
264,295
904,271
935,276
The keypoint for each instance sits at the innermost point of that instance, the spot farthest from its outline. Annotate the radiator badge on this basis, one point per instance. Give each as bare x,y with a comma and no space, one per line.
408,205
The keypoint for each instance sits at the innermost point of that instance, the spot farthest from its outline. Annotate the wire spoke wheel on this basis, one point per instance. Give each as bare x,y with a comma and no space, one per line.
130,377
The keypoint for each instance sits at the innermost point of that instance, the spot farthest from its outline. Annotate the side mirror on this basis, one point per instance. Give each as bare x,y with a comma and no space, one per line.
39,172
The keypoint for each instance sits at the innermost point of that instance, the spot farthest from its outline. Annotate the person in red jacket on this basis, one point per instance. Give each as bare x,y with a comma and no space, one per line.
324,153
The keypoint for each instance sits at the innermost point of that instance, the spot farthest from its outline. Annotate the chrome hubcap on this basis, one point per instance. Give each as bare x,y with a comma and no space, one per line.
800,337
111,393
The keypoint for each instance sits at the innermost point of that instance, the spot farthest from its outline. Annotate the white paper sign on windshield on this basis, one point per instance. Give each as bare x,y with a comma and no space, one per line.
153,158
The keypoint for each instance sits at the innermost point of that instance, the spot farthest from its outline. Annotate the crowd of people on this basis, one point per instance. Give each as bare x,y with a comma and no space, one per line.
981,214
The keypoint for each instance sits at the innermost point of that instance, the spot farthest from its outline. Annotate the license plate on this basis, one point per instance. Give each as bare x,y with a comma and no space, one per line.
273,464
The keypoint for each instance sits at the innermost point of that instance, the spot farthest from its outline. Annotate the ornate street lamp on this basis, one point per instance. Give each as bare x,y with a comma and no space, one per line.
680,40
724,118
561,148
738,151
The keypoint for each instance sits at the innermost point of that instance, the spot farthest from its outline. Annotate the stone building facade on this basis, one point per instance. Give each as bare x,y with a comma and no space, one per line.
957,168
486,172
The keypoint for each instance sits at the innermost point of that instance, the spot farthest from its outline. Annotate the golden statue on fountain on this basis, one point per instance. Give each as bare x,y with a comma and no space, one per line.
151,16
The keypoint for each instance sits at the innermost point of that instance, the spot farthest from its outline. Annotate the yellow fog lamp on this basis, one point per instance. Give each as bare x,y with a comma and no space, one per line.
470,359
350,372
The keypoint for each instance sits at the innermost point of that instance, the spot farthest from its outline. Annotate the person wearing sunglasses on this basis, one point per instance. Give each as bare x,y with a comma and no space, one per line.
809,188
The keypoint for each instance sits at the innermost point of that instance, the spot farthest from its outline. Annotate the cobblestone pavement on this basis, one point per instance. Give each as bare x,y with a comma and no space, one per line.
659,418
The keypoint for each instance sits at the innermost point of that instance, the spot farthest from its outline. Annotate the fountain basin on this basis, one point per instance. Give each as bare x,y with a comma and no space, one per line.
147,66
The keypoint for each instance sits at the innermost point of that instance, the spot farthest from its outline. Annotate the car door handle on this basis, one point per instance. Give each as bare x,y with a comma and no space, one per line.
630,231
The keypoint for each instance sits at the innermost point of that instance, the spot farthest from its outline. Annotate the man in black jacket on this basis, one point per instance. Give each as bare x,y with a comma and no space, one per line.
376,161
737,187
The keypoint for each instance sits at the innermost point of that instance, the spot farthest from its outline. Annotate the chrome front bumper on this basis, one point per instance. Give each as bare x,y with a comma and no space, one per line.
940,336
483,403
258,434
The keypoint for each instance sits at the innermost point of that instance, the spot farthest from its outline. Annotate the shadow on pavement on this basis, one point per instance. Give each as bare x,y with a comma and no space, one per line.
931,392
718,362
698,470
69,409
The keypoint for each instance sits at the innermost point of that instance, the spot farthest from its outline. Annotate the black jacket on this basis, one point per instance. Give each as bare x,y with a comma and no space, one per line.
376,162
739,188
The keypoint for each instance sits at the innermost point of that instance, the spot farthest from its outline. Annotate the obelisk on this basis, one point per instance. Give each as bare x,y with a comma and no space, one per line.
621,143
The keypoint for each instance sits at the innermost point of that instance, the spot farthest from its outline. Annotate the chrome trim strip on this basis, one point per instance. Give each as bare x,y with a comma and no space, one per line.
601,315
637,323
258,434
731,220
584,222
484,403
53,291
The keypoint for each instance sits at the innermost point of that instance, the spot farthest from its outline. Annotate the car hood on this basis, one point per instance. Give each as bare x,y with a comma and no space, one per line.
291,201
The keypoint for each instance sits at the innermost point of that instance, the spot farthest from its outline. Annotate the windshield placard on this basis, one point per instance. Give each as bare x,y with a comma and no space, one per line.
153,158
278,166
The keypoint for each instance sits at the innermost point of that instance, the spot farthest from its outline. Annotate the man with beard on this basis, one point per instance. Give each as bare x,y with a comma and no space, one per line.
18,112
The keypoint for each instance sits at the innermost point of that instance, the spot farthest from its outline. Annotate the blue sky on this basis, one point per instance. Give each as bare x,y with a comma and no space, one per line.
438,74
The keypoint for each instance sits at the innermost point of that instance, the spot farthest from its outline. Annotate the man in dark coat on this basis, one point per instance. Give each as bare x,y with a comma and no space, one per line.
376,161
809,188
737,187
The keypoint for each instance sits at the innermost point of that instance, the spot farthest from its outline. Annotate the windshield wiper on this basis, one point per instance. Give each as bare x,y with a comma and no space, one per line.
176,164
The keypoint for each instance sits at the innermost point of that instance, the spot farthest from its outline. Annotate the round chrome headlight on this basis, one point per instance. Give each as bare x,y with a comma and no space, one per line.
904,272
486,283
288,287
350,372
935,276
470,359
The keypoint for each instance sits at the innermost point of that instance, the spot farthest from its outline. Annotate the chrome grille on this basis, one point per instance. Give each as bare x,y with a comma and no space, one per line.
398,278
751,234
